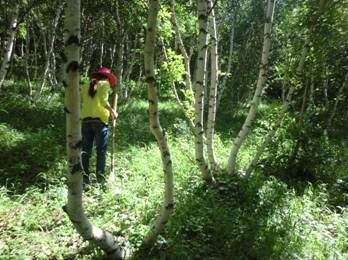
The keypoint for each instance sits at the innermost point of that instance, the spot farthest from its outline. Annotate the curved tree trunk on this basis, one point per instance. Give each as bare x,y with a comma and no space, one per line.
74,207
9,46
156,129
258,92
213,89
199,89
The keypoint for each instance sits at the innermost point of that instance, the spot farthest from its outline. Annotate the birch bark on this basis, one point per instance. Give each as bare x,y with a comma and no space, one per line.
258,92
213,89
74,208
9,46
156,129
199,89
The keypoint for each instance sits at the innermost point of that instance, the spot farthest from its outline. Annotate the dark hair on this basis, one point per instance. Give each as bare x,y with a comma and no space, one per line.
94,83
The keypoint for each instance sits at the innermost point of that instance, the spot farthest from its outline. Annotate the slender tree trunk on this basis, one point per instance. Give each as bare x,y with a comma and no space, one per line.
9,46
35,54
112,54
119,72
258,92
49,52
182,49
213,89
74,207
311,92
187,58
53,68
131,61
338,98
111,179
156,129
199,89
101,54
229,67
178,99
304,100
283,90
325,88
26,59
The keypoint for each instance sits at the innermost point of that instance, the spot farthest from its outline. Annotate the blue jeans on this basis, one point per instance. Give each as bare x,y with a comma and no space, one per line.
98,131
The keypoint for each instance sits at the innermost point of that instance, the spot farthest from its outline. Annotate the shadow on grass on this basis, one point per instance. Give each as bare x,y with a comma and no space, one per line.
227,221
32,143
31,161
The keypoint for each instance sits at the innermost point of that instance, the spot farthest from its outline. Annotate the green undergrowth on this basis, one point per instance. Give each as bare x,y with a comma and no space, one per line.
269,216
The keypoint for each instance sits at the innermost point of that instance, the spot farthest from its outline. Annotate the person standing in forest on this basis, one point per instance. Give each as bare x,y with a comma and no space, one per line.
95,112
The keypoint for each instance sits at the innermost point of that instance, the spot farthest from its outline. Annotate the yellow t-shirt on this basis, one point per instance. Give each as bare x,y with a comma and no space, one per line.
96,106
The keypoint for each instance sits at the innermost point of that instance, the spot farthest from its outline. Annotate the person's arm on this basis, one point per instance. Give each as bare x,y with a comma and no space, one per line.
105,100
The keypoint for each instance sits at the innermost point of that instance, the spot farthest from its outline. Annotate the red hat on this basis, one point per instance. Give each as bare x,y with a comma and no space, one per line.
106,72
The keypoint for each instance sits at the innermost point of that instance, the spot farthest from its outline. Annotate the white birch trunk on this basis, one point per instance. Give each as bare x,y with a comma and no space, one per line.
199,89
49,52
258,92
101,55
53,69
213,89
9,46
74,207
156,129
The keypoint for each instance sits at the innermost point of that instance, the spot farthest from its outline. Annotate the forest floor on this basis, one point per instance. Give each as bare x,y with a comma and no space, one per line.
266,217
